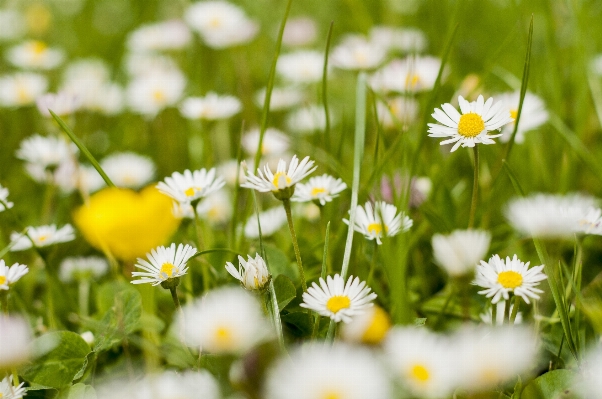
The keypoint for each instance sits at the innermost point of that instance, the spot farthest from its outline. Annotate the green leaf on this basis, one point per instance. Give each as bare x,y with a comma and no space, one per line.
78,391
280,264
64,356
299,323
119,321
285,290
556,384
419,322
518,389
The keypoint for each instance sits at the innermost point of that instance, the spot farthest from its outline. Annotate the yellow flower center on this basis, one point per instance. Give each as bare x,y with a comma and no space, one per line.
510,279
412,80
23,95
2,281
158,96
337,303
332,395
317,190
471,125
420,373
43,238
38,47
189,192
513,113
215,22
378,328
223,337
281,180
377,228
168,269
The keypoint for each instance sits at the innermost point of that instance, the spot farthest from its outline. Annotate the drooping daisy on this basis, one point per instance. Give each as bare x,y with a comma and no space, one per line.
9,391
166,35
226,320
190,186
319,188
82,268
408,75
372,221
35,54
164,263
16,336
4,202
500,277
358,53
151,93
283,181
47,152
9,275
127,169
478,118
275,142
303,66
487,317
460,252
328,372
211,107
271,221
533,114
423,362
338,300
21,88
41,236
253,273
369,327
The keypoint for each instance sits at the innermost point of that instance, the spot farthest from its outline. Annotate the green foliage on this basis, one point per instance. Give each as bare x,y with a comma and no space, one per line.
285,291
556,384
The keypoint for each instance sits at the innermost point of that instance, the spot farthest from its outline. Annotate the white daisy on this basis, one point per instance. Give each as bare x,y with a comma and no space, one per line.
41,236
45,152
164,263
151,93
590,383
253,274
231,170
357,53
282,98
319,188
399,110
472,126
307,119
551,216
337,300
16,339
191,186
369,327
35,54
500,277
271,221
12,24
408,40
301,67
140,65
487,317
167,35
275,142
9,391
216,208
533,114
423,362
62,104
127,169
460,252
299,31
372,221
211,107
283,179
9,275
411,74
225,320
82,268
591,223
4,202
21,88
328,372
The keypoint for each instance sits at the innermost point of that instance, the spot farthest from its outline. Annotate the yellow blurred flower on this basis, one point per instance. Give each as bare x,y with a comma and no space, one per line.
125,223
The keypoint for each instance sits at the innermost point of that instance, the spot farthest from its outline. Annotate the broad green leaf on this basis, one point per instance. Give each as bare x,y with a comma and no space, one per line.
280,264
420,321
78,391
556,384
119,321
65,355
299,323
285,290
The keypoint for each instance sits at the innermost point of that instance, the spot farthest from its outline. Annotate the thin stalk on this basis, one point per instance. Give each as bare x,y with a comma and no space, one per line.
4,302
323,275
16,382
494,314
204,271
176,300
289,217
452,292
48,198
324,88
507,311
515,309
475,188
372,264
84,295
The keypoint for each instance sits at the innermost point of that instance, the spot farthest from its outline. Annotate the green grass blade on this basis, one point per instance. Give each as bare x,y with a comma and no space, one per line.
82,148
325,88
323,275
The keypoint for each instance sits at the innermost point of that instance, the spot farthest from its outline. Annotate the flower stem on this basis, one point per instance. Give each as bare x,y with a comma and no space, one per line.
507,311
475,188
494,314
289,217
515,309
276,316
372,263
84,295
176,300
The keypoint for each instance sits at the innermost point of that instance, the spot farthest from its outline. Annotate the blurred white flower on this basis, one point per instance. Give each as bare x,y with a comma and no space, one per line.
82,268
10,275
16,339
533,115
371,221
271,221
299,31
358,53
35,54
211,107
411,74
12,25
324,371
229,170
591,223
191,186
274,142
151,93
399,110
46,152
62,103
408,40
307,120
127,169
141,64
319,188
167,35
88,336
303,66
216,208
9,391
225,320
590,383
253,273
21,88
4,199
42,236
369,327
164,263
460,252
221,24
282,98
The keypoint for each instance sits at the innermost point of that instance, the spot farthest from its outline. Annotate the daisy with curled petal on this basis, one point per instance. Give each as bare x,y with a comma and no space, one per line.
320,188
500,277
283,180
372,221
471,127
164,264
9,275
190,186
337,300
41,236
253,274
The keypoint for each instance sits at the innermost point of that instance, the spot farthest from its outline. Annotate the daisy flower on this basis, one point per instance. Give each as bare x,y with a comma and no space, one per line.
299,31
253,274
304,66
9,275
4,202
323,371
591,223
127,169
46,152
283,181
307,119
337,300
472,126
320,188
487,317
35,54
408,75
372,221
399,110
21,88
211,107
460,252
356,53
167,35
164,264
62,103
369,327
16,339
190,186
533,115
275,142
82,268
9,391
271,221
282,97
41,236
225,320
150,93
13,24
500,277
